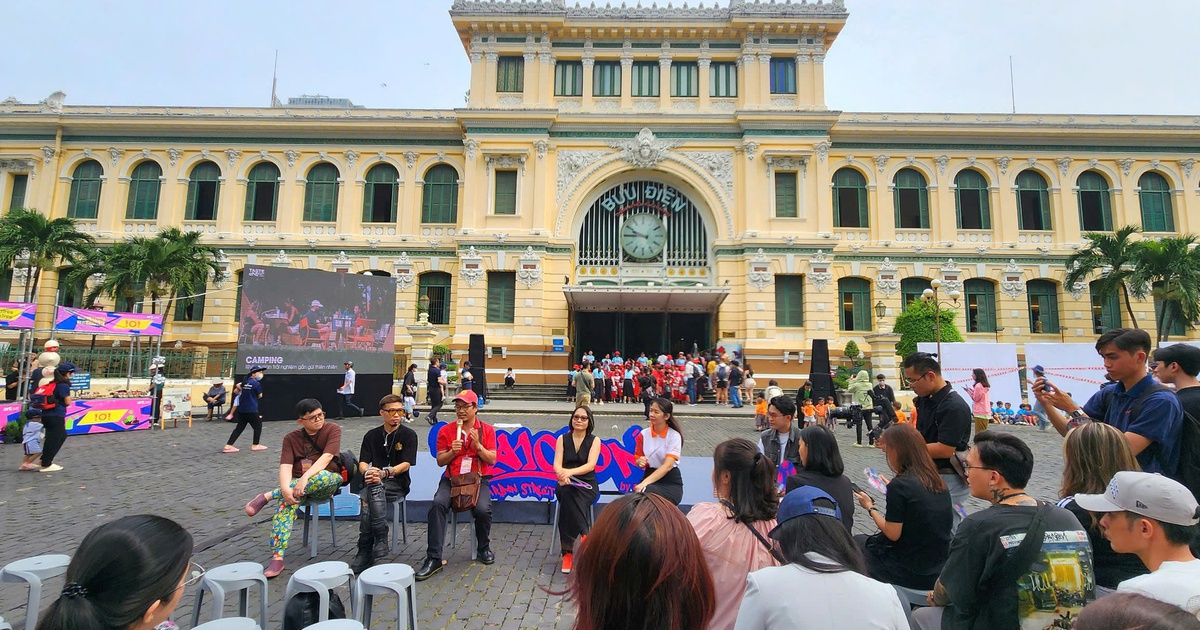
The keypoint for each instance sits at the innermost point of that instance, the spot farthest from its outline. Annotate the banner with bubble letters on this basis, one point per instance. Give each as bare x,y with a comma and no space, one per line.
17,315
104,323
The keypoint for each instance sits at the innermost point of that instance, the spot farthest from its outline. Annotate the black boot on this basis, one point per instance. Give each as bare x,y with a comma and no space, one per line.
382,549
362,560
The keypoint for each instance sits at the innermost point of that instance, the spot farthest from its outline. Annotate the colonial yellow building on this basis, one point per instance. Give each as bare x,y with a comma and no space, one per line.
641,178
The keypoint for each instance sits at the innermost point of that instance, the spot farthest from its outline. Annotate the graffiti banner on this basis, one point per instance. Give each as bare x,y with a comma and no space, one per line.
106,415
525,462
17,315
104,323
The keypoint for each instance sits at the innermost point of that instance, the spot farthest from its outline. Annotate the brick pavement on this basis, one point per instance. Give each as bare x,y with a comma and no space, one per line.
180,473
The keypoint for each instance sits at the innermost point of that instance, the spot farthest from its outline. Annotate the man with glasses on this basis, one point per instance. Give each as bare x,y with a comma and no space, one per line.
386,454
308,469
943,419
781,442
467,445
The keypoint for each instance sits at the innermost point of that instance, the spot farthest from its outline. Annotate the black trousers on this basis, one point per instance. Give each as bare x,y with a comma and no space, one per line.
435,404
889,570
858,427
574,513
373,520
56,436
439,514
247,418
347,400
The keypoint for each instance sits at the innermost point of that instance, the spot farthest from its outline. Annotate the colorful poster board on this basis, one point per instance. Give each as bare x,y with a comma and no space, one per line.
9,412
100,415
176,403
17,315
91,322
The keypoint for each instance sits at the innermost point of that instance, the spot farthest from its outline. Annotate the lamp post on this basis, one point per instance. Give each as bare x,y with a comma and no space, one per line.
930,295
999,329
880,310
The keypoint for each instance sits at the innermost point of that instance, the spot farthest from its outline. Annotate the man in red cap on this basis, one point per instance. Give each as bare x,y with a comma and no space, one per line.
468,445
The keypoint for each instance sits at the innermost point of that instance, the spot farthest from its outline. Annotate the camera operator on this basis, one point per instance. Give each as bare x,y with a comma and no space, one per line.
883,398
943,419
860,394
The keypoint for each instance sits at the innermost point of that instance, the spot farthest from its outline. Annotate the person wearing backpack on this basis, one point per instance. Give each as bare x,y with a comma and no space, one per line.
735,385
722,383
1178,365
50,401
1144,410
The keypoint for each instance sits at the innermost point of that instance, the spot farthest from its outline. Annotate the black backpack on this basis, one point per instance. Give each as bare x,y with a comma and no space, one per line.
1189,455
304,610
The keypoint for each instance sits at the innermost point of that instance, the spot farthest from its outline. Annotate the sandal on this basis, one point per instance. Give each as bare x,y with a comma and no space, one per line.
229,448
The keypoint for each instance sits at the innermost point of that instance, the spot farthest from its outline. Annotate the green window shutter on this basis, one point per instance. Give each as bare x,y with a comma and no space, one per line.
1032,189
568,78
981,305
510,74
193,194
606,78
851,181
722,79
907,182
84,200
789,300
856,309
196,307
439,203
506,192
144,185
436,286
783,75
368,202
321,193
17,198
685,79
264,176
381,185
913,289
1043,306
501,292
785,195
1155,201
645,78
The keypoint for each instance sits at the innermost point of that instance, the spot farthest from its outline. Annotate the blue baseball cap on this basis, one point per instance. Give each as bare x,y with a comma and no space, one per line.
256,368
799,502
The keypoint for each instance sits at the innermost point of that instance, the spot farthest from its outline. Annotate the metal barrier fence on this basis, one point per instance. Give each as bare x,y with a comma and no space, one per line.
114,362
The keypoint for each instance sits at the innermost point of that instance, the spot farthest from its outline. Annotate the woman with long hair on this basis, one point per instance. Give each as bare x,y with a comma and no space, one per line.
823,468
981,402
733,529
661,446
824,582
575,455
1125,611
1093,453
641,568
128,574
914,534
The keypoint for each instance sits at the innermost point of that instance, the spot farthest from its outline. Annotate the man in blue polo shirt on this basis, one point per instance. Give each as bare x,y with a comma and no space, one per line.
1153,432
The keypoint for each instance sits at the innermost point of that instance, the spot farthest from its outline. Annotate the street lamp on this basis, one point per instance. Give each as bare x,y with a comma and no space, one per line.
423,309
930,295
880,310
999,329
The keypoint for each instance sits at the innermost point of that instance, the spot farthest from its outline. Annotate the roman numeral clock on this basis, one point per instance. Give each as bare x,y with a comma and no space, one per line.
643,237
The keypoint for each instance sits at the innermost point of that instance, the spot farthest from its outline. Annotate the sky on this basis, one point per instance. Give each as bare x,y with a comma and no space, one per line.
1069,56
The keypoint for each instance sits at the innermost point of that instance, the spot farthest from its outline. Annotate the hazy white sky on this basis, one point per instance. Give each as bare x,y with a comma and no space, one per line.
1070,56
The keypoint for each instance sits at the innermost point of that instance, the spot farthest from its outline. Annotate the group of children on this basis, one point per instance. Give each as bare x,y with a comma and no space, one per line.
812,412
1003,413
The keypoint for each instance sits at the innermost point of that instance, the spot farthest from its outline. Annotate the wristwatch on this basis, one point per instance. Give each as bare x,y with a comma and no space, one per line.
874,509
1077,416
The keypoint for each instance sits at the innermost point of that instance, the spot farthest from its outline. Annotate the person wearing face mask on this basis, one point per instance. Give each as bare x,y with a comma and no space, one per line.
248,413
575,456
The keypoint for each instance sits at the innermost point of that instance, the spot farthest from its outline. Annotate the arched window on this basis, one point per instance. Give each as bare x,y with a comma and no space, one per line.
321,193
144,187
380,195
913,289
971,199
204,189
911,197
1106,309
1095,204
1043,306
1033,201
439,203
262,192
1155,199
855,297
849,199
436,286
981,305
86,181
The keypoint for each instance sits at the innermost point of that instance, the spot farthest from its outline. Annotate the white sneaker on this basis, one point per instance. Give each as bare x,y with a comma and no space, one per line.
51,468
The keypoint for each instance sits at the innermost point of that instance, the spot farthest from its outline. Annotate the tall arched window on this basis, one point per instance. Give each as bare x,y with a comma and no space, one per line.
855,297
1106,309
849,199
262,192
144,186
981,305
911,197
913,289
380,194
321,193
1155,199
1043,306
1033,201
1095,203
971,200
439,202
204,189
436,286
86,181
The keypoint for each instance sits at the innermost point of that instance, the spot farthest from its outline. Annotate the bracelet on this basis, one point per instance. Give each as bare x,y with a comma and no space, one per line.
873,509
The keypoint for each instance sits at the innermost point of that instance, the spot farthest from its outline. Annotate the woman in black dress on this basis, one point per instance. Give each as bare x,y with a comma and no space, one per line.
575,458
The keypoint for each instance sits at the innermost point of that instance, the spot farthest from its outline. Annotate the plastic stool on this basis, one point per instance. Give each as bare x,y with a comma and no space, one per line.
311,511
454,533
4,625
386,579
319,578
229,623
910,597
237,578
591,515
399,519
32,571
336,624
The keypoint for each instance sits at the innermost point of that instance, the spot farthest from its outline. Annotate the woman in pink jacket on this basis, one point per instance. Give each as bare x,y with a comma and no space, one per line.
981,403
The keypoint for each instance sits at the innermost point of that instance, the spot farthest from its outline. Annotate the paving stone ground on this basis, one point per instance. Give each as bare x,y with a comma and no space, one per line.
181,473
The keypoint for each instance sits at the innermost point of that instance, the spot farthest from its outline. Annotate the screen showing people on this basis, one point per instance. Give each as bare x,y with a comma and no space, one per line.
309,321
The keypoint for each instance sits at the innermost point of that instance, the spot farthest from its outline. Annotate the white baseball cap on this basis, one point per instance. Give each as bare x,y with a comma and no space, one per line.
1145,494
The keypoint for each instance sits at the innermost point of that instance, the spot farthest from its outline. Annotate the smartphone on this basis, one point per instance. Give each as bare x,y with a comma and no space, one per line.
854,487
1040,372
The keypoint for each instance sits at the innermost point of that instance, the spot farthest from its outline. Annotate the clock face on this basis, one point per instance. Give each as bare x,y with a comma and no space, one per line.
643,236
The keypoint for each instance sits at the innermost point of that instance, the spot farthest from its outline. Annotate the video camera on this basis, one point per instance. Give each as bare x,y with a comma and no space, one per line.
851,414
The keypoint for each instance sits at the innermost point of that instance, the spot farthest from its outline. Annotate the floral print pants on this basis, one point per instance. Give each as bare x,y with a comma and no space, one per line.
321,486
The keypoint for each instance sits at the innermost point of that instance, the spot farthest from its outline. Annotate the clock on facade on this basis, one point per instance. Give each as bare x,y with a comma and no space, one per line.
643,236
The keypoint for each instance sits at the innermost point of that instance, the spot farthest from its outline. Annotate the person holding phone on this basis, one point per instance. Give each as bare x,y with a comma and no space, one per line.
575,455
981,404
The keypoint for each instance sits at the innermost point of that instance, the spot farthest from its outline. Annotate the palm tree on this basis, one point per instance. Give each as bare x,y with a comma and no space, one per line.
31,240
1169,271
1113,254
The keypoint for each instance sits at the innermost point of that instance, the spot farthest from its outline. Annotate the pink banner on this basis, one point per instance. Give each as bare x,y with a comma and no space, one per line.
17,315
106,415
104,323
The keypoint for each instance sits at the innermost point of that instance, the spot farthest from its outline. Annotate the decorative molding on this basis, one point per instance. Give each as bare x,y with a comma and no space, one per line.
313,242
281,260
786,164
292,155
1002,162
822,148
888,282
233,155
251,241
529,272
472,145
646,150
48,154
1064,165
510,101
881,162
17,165
951,276
373,243
942,162
403,268
1187,166
760,276
820,270
637,11
173,155
471,269
541,146
750,148
505,161
1077,289
341,262
351,158
1011,282
410,158
1126,164
114,155
718,164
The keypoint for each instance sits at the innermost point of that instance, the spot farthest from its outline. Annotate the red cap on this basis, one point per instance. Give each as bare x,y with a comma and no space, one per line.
468,396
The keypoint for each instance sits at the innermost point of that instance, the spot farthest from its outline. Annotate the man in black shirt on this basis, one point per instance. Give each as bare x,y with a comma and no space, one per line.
11,380
387,452
433,388
1178,364
943,419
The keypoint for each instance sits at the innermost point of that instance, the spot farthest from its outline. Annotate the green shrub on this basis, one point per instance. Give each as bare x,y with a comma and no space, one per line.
916,325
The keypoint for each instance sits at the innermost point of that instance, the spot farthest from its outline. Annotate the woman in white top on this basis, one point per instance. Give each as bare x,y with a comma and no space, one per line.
733,530
824,585
660,448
